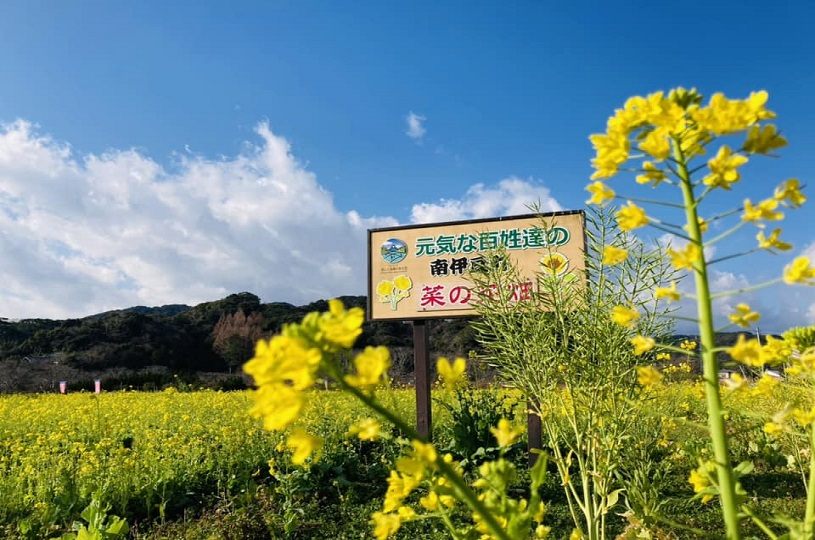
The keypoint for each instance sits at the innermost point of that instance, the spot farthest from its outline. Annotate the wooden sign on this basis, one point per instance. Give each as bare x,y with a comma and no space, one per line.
421,271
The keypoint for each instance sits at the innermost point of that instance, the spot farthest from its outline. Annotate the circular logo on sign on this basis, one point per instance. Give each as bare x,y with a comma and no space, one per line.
393,250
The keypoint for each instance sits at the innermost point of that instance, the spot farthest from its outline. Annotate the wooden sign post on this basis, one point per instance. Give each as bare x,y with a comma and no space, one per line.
421,368
420,272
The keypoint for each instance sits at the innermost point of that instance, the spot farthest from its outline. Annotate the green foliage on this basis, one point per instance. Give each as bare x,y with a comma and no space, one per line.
98,524
574,364
473,412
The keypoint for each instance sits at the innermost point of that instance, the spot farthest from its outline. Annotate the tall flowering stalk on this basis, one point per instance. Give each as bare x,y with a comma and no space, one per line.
662,140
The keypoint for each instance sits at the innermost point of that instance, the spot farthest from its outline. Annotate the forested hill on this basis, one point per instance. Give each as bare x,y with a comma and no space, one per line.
149,344
150,347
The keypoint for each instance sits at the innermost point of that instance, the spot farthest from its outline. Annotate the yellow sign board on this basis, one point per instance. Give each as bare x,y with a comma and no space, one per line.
421,271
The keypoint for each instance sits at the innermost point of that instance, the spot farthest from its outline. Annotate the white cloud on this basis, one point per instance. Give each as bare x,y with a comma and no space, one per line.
415,126
510,196
83,234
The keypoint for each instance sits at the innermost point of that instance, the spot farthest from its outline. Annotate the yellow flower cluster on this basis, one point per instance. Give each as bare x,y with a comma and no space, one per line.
669,293
688,345
409,473
286,366
282,369
725,116
505,434
371,368
701,479
631,217
452,374
799,271
751,353
744,316
685,258
773,241
625,316
724,168
648,376
614,255
642,344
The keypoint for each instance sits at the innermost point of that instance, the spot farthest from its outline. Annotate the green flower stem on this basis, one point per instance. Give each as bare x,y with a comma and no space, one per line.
723,215
663,228
718,436
650,201
758,521
666,347
447,471
809,517
743,290
726,233
733,256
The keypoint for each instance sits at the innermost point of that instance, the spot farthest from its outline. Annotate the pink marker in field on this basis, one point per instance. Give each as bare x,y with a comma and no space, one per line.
97,386
63,387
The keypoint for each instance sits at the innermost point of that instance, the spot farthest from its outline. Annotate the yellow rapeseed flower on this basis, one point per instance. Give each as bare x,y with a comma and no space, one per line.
631,217
747,351
642,344
399,487
764,210
614,255
367,429
773,241
773,428
802,417
667,293
385,525
648,376
663,356
304,446
701,479
339,326
723,116
282,368
504,433
688,345
685,258
371,367
724,168
657,144
451,374
775,351
764,385
625,316
651,174
763,139
789,193
744,316
612,151
799,271
600,193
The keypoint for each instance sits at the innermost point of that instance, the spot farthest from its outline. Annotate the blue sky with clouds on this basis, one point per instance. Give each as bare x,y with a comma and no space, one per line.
163,152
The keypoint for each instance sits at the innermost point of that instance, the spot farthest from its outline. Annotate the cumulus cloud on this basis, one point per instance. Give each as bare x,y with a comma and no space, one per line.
83,234
415,126
510,196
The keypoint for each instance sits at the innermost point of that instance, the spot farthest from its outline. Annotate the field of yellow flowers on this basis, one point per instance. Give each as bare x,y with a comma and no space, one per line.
165,460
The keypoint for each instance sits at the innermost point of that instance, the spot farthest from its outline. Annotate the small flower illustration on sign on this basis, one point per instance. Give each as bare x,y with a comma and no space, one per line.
391,292
554,263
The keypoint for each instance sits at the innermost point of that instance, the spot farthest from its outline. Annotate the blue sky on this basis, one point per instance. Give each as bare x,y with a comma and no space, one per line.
177,91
